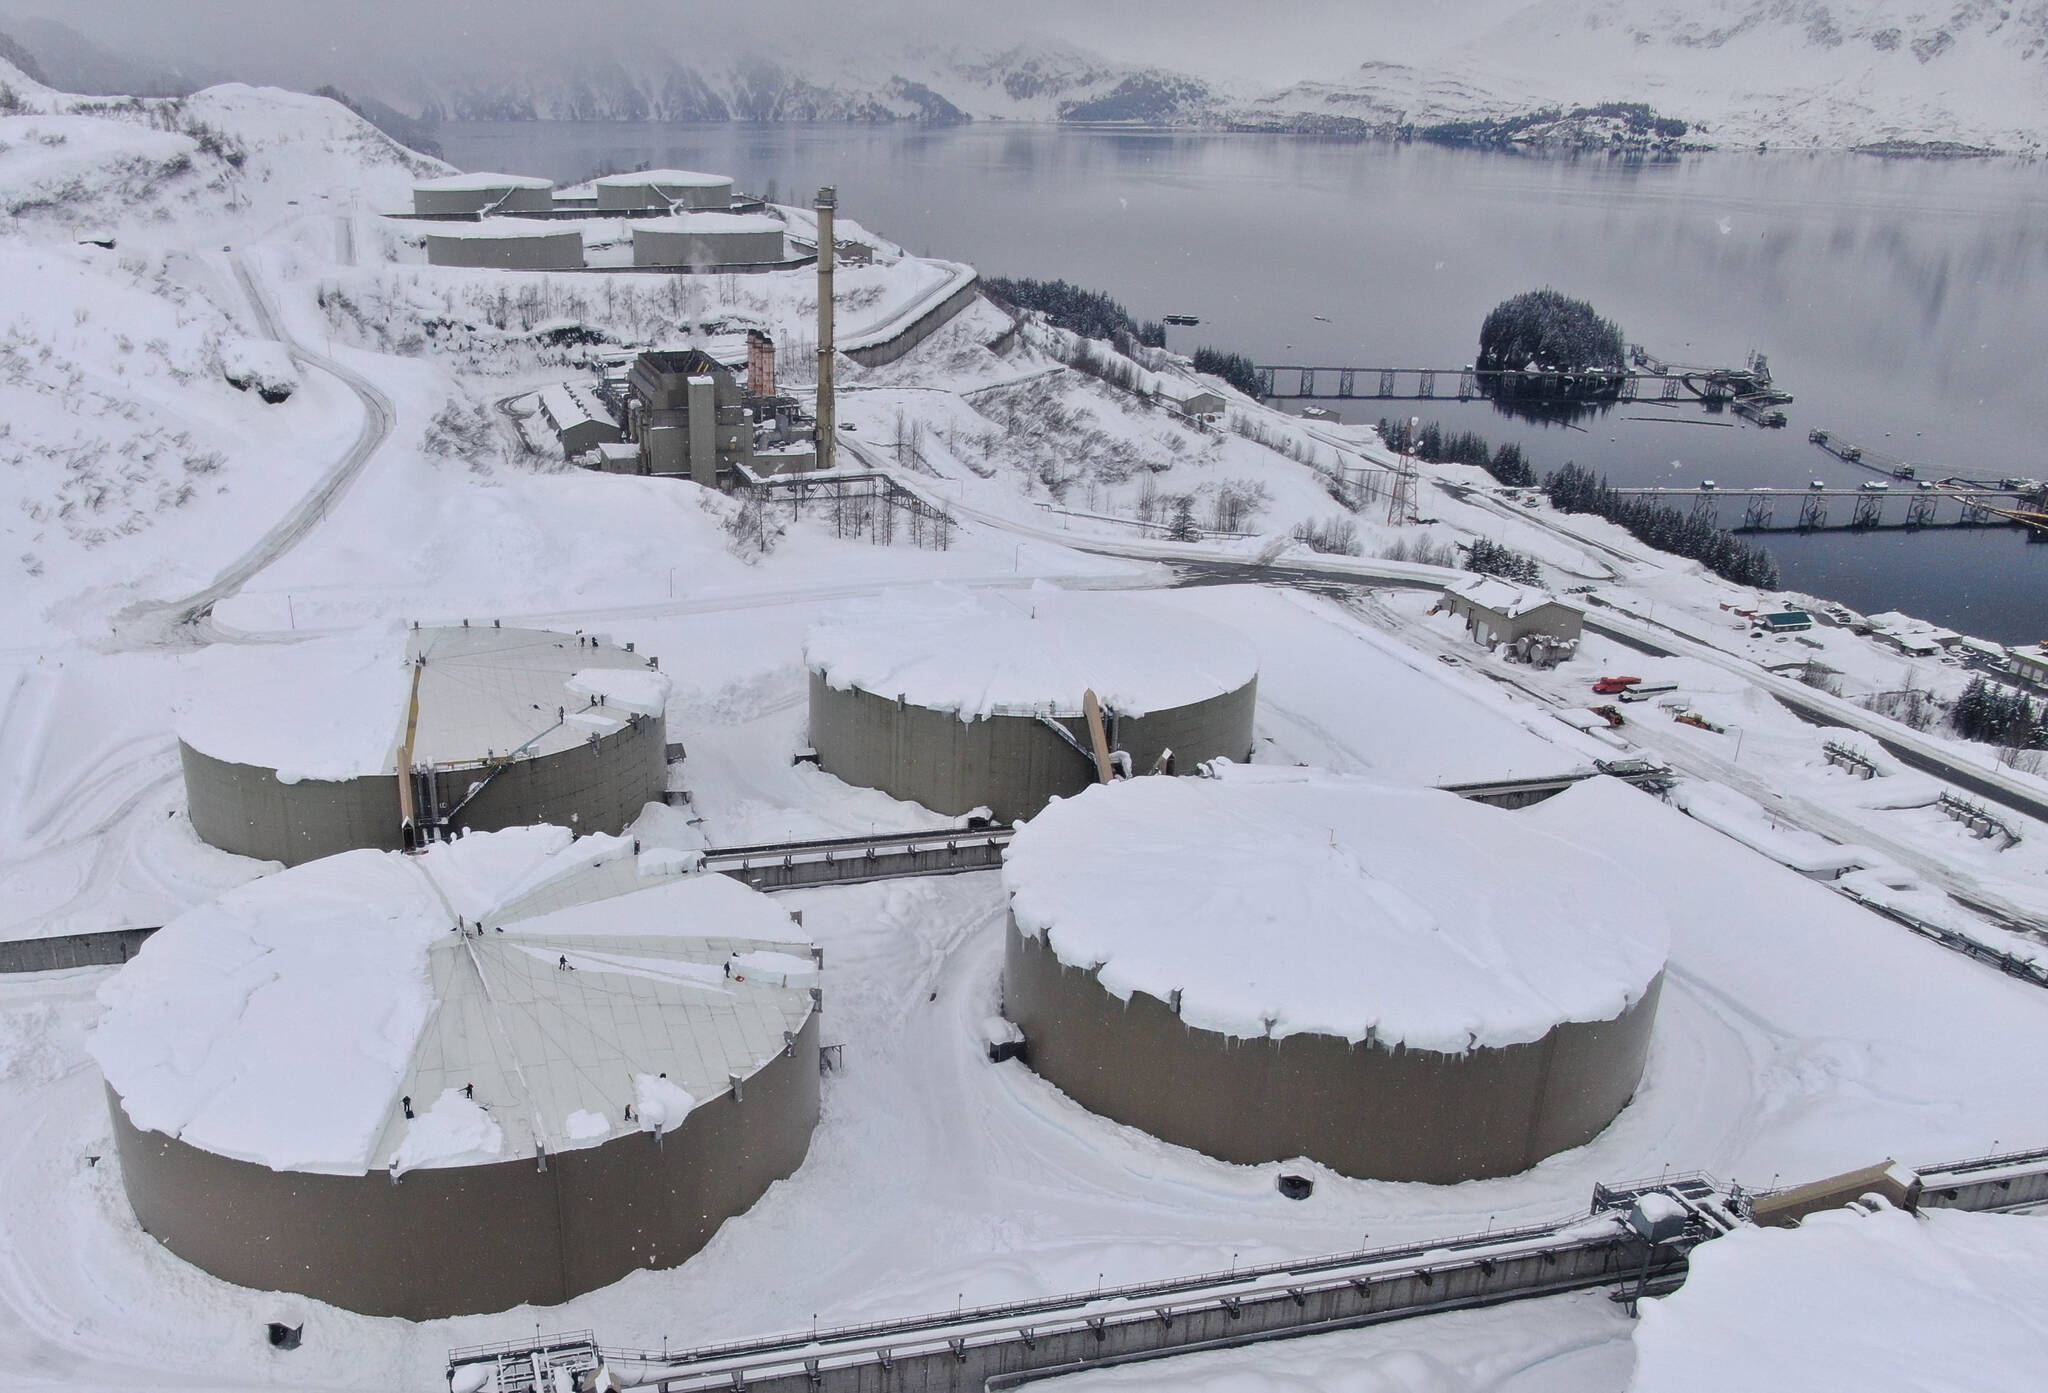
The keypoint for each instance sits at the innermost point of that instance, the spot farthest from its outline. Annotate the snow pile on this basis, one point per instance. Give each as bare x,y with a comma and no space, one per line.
274,1024
481,182
1293,901
983,654
582,1125
491,229
642,690
453,1132
719,223
660,1105
662,178
1879,1303
330,708
261,364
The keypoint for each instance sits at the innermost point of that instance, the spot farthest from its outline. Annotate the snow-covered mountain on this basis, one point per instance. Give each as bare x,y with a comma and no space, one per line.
1733,73
930,86
1738,72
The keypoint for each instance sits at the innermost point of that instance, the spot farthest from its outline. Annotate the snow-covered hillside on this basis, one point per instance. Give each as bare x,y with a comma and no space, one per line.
1739,72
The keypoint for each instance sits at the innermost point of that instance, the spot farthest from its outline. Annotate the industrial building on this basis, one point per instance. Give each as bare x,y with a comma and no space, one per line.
507,1071
687,414
579,418
677,190
2029,660
476,194
961,700
299,752
506,244
709,241
1540,626
1399,984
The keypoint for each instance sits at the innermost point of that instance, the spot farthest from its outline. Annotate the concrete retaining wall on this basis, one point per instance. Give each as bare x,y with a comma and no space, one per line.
1011,764
448,1242
874,355
1363,1110
245,809
544,251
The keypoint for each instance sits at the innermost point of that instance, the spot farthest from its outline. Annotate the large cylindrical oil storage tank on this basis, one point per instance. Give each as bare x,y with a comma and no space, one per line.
709,240
509,1070
680,189
1276,963
483,193
506,244
294,752
960,700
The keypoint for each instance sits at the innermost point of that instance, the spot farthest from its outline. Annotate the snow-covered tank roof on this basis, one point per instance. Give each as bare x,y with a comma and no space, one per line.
696,224
500,229
1812,1307
480,181
1290,901
286,1022
336,708
1016,652
668,178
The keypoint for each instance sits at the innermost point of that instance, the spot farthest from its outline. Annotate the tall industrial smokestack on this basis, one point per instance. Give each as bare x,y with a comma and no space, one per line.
828,452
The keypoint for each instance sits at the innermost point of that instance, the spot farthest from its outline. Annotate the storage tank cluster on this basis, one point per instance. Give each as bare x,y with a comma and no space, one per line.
526,1062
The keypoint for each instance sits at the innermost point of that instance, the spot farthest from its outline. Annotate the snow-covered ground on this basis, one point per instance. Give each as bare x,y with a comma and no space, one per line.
1799,1034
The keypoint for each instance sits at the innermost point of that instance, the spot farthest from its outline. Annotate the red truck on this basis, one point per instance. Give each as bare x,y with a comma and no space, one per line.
1612,686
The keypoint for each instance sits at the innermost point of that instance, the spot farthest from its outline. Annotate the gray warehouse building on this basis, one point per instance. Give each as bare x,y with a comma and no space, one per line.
483,193
958,700
709,241
474,1106
506,244
297,753
683,190
1399,984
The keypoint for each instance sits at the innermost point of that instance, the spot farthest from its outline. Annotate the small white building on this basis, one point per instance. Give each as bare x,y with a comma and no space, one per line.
1540,627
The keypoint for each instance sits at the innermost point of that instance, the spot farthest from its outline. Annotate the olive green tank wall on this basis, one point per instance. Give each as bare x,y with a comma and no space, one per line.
1012,765
1363,1110
652,247
591,788
460,201
246,809
470,1239
540,252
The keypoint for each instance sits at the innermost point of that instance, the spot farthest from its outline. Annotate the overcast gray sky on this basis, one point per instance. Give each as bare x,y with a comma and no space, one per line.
300,41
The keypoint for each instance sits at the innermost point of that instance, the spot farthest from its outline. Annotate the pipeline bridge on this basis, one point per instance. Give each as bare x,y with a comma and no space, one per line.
796,865
1717,386
1939,504
1634,1237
